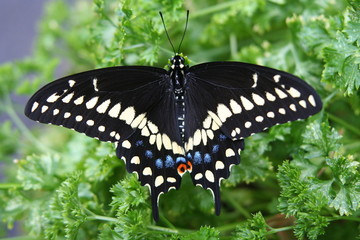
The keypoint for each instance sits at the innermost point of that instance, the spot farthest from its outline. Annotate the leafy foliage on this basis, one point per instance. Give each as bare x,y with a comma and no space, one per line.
62,185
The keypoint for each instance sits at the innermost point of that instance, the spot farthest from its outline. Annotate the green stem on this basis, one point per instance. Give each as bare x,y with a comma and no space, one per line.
102,218
349,218
236,205
344,123
215,8
10,185
228,227
9,109
163,230
282,229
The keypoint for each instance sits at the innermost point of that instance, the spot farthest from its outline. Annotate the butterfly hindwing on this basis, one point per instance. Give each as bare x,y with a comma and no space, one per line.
154,150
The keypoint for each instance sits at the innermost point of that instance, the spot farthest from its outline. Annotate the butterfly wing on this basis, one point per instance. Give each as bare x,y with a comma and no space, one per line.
154,150
125,105
106,104
251,98
234,100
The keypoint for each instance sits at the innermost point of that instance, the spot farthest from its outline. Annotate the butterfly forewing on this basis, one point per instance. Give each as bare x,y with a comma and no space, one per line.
105,103
250,98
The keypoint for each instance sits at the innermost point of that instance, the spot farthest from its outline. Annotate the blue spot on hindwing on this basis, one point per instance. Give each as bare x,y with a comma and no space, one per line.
207,158
189,156
148,154
169,162
159,163
197,158
139,143
180,159
215,148
222,137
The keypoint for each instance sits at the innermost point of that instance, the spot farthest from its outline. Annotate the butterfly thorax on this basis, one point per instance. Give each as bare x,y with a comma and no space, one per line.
177,72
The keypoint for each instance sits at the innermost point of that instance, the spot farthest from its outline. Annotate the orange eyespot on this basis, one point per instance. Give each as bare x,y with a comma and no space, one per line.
181,168
189,166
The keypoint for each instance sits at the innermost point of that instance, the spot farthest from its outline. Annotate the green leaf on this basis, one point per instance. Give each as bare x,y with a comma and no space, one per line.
254,228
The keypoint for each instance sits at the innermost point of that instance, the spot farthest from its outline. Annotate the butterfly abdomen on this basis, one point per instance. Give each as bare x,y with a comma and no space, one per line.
180,105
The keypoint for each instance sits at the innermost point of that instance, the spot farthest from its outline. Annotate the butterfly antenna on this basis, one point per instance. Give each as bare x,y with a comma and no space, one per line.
186,24
162,19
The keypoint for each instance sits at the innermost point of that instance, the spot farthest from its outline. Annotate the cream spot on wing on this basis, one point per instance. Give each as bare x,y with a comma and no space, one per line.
147,171
71,83
143,123
302,103
215,118
68,97
44,108
258,99
92,102
280,93
219,165
210,134
166,141
223,112
282,111
235,107
197,137
78,118
152,139
246,103
101,128
115,110
90,122
207,122
153,128
198,176
209,176
135,160
159,180
34,106
52,98
137,120
126,144
171,180
229,152
128,115
103,107
276,78
67,115
248,124
79,100
270,115
158,141
145,132
56,112
292,107
95,84
311,100
255,78
270,97
259,118
293,92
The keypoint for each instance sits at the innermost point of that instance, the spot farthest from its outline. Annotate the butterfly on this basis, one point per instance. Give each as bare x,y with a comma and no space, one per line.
166,123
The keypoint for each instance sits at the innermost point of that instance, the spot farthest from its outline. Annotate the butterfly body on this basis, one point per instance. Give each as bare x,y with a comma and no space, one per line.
187,119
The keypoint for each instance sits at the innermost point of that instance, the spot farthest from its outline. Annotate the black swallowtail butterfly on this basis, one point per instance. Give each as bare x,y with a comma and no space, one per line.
187,119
